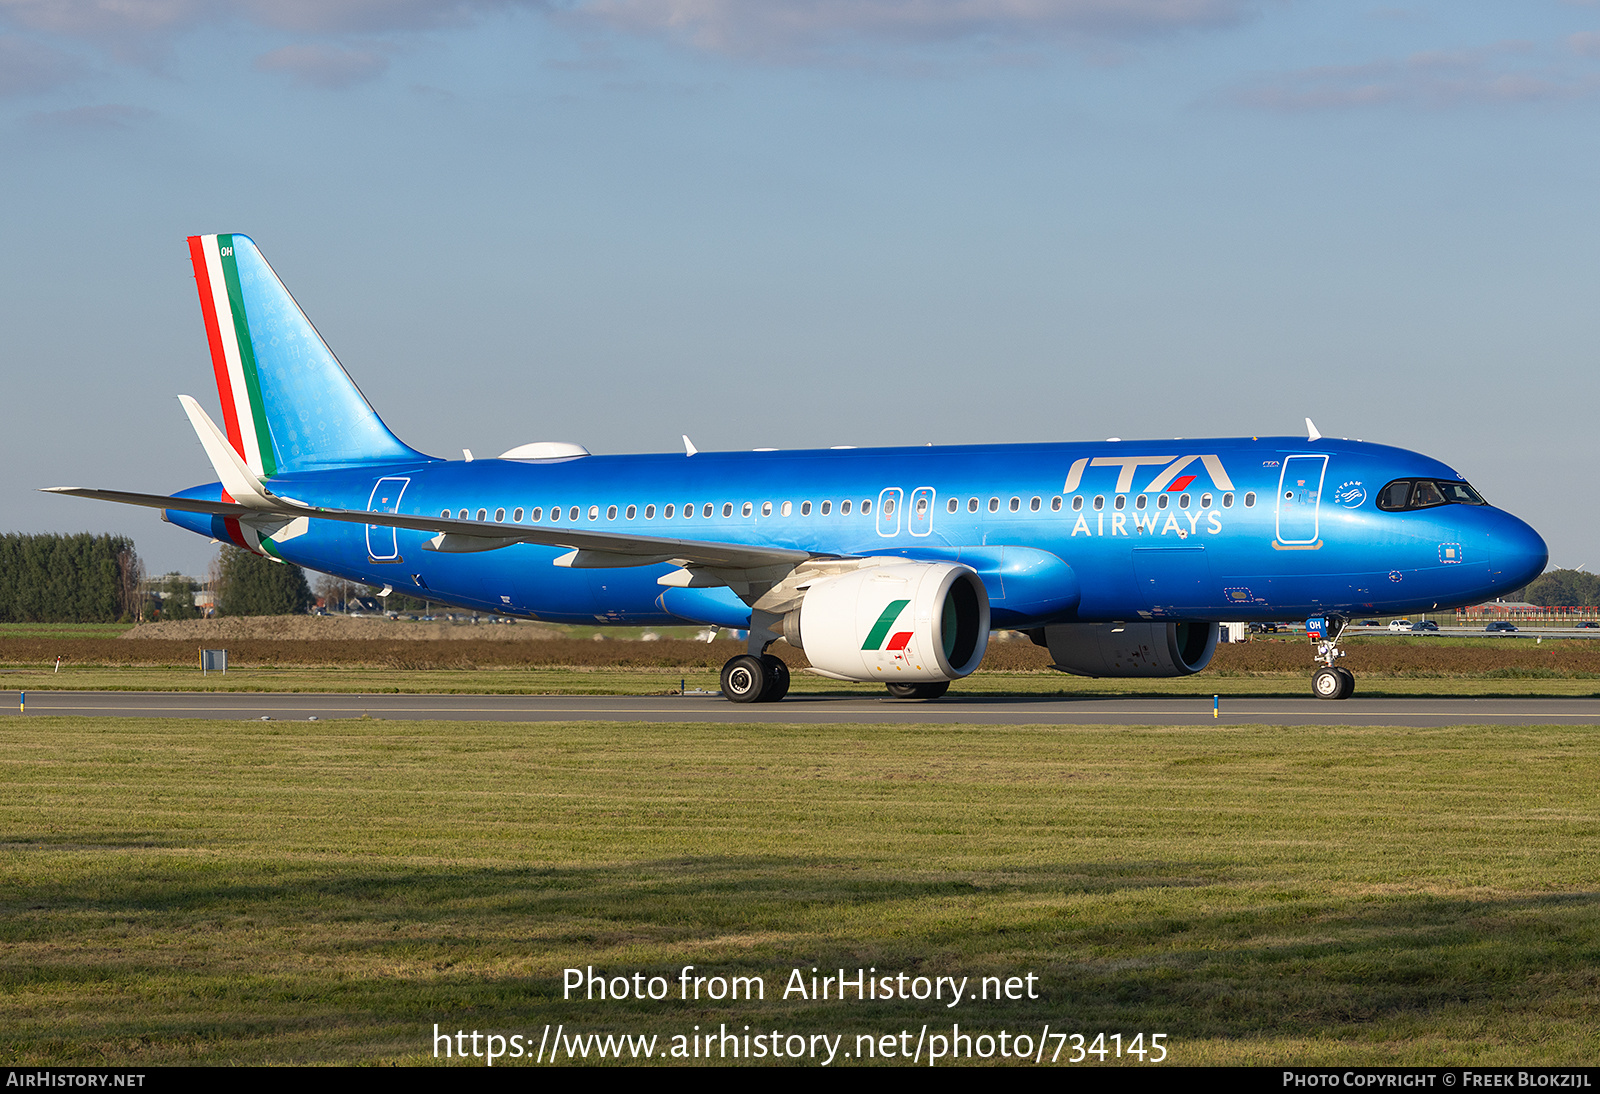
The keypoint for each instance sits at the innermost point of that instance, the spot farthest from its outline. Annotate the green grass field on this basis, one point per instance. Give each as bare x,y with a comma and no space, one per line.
225,892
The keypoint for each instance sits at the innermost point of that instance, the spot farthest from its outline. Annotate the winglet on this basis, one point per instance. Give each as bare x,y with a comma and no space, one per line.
237,478
1311,431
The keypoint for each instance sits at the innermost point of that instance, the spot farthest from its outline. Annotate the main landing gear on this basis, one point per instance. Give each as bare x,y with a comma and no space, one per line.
919,691
1331,681
752,679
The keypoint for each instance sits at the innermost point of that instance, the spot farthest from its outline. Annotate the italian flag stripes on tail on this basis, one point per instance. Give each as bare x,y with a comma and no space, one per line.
232,352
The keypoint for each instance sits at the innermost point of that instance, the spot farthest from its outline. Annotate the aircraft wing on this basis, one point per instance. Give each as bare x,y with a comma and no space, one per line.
589,549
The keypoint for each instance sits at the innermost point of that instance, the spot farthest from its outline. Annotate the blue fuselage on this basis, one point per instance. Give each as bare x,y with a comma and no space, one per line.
1267,528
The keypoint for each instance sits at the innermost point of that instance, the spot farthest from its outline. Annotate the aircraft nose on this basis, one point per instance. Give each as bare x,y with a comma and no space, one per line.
1517,554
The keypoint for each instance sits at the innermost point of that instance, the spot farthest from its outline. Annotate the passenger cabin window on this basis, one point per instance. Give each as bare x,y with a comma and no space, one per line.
844,508
805,509
1161,501
650,512
1227,500
1141,501
1250,500
463,515
1099,501
1077,504
572,514
445,514
483,514
1205,501
1183,501
665,513
951,506
594,512
994,505
727,509
826,506
866,507
633,511
1016,503
537,515
1055,504
766,508
1034,505
705,510
516,517
499,516
972,505
1122,501
611,512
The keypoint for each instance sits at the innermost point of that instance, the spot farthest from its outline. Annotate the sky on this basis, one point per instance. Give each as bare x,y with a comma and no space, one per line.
803,223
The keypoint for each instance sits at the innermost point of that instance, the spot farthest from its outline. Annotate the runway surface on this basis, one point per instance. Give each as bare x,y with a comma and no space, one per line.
1019,710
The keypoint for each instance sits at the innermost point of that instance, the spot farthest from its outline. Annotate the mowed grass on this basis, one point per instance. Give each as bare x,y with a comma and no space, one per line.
241,892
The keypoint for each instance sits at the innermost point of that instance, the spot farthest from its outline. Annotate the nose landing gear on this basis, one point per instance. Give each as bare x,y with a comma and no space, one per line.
1331,681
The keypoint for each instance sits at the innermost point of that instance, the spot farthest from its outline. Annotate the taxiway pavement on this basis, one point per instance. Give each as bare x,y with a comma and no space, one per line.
1000,711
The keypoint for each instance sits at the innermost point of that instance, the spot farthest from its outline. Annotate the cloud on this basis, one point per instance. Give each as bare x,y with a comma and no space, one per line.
779,27
103,19
324,66
109,116
143,32
1507,72
27,67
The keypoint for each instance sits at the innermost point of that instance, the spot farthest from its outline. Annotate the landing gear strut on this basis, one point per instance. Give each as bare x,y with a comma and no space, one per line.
1330,681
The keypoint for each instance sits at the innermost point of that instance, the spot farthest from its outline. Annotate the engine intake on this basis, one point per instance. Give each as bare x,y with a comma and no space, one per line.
900,622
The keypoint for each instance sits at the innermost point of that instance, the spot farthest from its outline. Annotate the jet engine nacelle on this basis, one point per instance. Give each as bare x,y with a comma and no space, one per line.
1130,649
900,622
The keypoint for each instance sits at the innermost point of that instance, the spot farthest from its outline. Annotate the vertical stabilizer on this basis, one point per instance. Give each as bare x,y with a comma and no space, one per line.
287,403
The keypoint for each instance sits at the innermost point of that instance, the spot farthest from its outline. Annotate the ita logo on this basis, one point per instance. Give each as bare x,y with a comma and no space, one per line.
1350,494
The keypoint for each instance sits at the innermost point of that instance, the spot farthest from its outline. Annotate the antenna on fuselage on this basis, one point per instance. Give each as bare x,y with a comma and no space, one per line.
688,446
1311,431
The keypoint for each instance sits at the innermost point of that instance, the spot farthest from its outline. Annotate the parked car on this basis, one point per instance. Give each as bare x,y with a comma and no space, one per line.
1424,625
1399,624
1501,625
1369,623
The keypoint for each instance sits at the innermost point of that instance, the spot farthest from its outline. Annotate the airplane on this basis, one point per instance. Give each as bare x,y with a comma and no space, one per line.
1121,558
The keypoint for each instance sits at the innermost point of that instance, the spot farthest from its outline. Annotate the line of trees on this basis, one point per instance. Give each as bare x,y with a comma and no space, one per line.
249,584
68,579
1564,588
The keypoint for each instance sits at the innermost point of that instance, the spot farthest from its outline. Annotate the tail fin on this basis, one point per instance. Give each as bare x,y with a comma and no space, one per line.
287,402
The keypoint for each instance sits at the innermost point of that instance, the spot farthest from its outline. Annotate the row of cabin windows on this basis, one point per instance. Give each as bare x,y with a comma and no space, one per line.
953,505
1142,501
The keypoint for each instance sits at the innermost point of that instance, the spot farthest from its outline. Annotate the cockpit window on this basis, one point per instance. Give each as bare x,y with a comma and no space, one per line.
1459,493
1425,494
1395,495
